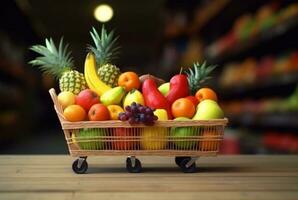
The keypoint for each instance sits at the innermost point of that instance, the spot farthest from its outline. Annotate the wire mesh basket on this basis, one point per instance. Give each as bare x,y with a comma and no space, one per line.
185,140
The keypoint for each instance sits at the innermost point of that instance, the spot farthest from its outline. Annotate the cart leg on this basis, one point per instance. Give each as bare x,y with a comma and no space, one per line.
133,160
81,160
188,164
80,165
133,165
191,162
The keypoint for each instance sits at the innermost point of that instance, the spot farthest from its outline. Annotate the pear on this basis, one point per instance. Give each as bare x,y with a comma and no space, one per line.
113,96
133,96
208,109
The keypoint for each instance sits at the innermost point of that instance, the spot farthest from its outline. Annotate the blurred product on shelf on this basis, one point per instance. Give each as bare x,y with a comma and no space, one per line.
252,72
249,27
231,143
283,142
266,105
246,141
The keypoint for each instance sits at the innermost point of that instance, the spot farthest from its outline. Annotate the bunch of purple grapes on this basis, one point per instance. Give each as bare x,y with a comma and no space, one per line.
137,113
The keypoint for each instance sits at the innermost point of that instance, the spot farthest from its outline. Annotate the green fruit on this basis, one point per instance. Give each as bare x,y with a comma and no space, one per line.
208,109
133,96
112,96
180,134
154,138
105,49
85,135
164,88
109,74
59,63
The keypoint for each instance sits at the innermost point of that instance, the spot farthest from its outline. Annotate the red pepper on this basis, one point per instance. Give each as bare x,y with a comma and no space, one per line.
178,88
154,98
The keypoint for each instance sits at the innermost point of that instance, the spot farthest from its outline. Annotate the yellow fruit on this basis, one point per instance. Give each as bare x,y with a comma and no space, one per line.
114,111
154,138
66,99
92,79
133,96
161,114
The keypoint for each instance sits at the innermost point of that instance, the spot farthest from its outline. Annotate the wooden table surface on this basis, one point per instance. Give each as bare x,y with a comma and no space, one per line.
222,177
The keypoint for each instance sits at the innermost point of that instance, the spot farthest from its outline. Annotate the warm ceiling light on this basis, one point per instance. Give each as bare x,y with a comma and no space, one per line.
103,13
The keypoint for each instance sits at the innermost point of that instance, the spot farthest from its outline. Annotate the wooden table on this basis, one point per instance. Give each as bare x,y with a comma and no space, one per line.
223,177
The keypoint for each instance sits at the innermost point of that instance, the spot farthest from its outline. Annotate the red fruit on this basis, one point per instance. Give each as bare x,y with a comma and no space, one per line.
153,97
193,99
121,142
178,88
98,112
87,98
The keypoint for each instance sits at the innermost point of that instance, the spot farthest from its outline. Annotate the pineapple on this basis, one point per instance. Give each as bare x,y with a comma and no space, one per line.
59,63
105,50
198,76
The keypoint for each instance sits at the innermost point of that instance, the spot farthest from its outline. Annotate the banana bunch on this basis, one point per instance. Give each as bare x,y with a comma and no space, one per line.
92,79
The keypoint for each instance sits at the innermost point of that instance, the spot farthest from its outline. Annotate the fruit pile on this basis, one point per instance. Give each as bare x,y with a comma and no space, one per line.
102,92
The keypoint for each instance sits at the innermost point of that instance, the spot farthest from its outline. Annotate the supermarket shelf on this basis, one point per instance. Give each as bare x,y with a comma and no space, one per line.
12,69
269,85
253,42
204,14
278,120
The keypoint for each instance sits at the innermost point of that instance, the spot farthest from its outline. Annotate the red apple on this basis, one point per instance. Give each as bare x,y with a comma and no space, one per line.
99,112
86,98
193,99
120,142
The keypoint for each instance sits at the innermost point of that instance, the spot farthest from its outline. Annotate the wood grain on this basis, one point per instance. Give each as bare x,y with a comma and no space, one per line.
222,177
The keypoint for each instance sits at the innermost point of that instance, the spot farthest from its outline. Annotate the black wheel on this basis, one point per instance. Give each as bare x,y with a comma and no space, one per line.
77,169
190,169
178,160
133,169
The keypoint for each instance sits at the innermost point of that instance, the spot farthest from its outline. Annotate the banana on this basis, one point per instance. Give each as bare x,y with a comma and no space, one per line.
91,76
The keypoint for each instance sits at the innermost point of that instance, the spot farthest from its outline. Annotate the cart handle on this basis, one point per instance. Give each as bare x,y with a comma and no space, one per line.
57,106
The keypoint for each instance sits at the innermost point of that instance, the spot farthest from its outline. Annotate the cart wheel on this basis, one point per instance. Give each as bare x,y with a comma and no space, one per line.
80,169
178,160
189,169
133,169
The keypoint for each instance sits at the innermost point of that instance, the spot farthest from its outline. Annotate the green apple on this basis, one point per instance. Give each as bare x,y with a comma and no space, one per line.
164,88
180,134
88,134
208,109
161,114
154,138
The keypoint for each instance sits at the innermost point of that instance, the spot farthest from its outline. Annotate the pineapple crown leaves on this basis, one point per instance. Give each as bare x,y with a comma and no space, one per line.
52,60
105,48
198,75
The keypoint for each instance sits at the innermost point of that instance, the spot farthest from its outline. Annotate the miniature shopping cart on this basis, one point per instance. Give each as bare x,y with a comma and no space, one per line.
184,140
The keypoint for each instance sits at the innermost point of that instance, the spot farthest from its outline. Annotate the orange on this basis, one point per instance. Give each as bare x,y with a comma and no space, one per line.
206,93
74,113
208,143
129,80
98,112
114,111
183,107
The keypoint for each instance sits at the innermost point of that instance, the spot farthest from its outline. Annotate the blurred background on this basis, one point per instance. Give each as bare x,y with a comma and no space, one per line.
254,43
